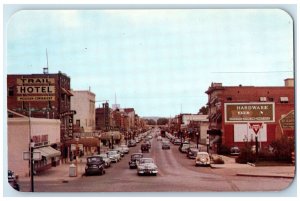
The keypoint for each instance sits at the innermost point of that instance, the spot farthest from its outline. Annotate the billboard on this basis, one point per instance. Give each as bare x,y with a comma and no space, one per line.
246,133
249,112
35,89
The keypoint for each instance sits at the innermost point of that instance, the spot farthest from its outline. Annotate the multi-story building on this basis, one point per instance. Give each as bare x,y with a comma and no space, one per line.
42,96
103,117
83,102
238,114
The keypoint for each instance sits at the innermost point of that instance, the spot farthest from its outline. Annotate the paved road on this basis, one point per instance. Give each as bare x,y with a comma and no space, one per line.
176,174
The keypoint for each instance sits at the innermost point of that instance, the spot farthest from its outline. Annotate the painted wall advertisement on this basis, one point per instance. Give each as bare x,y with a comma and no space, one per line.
249,112
247,132
36,89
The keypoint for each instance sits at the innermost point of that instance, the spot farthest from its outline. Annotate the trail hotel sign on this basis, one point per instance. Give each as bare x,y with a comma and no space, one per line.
36,89
249,112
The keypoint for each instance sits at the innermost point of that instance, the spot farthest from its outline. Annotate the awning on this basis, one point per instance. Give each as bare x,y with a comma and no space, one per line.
66,91
48,152
111,134
214,132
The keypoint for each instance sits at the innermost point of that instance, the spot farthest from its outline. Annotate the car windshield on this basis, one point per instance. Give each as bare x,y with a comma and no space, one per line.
202,155
112,152
136,156
146,160
94,159
103,155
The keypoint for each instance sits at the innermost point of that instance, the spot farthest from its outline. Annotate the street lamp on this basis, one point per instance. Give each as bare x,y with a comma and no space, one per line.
76,154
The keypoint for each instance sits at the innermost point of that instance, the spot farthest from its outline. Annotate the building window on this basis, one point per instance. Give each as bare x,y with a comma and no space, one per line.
229,98
11,91
284,99
263,99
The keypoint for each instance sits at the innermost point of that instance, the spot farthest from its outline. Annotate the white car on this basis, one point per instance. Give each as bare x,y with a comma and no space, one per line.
106,160
202,158
146,166
124,148
114,156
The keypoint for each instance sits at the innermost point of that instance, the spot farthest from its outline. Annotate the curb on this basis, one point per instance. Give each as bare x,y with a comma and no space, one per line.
270,176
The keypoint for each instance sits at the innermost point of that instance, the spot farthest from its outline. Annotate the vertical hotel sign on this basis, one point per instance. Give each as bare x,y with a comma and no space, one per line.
249,112
35,89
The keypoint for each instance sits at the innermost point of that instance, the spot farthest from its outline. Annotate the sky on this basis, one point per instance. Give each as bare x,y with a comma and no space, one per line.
158,61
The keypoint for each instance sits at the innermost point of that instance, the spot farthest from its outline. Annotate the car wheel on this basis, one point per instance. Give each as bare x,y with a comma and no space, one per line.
154,174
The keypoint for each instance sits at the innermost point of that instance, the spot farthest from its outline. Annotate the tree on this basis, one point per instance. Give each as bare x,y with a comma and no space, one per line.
150,121
162,121
203,110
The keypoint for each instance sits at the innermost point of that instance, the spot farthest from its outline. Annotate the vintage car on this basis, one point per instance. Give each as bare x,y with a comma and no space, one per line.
13,180
94,165
146,166
131,143
165,145
192,152
134,160
183,147
235,151
202,158
177,141
114,156
124,148
120,151
106,160
145,147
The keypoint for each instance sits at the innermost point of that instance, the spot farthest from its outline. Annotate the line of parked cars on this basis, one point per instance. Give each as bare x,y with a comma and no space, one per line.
98,163
191,151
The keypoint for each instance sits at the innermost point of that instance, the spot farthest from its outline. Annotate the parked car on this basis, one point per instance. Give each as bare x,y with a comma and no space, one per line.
134,160
183,147
106,160
192,152
165,145
148,143
146,166
202,158
234,151
131,143
177,141
94,165
13,180
114,156
145,147
125,148
120,151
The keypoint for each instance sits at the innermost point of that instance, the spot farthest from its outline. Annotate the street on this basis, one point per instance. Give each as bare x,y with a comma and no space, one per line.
176,173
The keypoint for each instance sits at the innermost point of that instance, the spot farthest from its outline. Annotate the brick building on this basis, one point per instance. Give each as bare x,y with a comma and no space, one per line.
238,113
42,96
103,117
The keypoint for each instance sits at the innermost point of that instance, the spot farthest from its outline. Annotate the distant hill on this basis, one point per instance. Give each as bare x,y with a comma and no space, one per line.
154,118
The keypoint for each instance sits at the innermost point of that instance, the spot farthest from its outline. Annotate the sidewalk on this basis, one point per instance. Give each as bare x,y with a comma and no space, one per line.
252,171
59,173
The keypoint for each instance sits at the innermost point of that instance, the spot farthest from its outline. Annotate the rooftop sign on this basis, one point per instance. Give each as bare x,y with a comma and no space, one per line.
249,112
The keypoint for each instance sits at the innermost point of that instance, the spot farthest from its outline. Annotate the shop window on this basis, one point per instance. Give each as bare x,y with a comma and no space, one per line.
11,91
